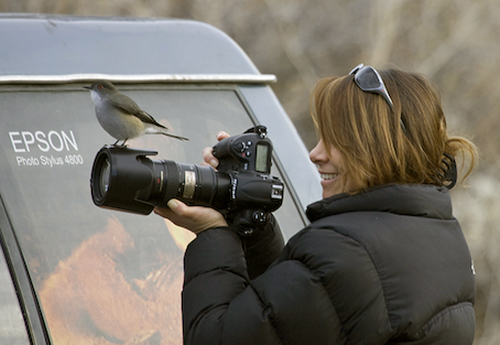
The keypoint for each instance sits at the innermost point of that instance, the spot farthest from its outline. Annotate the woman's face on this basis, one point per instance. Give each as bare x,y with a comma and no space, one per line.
329,169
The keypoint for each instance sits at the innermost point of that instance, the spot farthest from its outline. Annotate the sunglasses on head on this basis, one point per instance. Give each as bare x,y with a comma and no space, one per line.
368,80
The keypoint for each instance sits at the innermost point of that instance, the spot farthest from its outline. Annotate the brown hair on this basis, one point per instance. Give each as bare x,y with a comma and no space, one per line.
375,148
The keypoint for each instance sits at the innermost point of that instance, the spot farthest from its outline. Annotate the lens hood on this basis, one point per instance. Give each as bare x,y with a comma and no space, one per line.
118,173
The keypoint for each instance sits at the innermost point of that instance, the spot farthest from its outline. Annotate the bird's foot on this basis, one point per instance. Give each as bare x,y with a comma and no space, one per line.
122,145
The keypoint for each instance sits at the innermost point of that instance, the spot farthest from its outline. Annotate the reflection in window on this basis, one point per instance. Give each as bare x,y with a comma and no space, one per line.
89,299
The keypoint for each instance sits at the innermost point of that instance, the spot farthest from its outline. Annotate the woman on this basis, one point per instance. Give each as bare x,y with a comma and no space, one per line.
383,260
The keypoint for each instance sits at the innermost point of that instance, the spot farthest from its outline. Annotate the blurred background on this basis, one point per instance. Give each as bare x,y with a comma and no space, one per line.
455,43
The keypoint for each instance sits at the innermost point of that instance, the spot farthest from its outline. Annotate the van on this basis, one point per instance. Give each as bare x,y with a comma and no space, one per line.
74,273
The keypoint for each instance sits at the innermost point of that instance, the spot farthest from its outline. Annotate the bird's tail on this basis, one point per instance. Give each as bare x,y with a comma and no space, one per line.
174,136
163,130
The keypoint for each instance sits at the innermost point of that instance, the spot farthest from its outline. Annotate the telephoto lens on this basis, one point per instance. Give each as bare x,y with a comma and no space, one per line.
126,179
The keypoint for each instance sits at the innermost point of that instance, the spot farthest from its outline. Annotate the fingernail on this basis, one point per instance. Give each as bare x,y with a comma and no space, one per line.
173,204
219,135
214,163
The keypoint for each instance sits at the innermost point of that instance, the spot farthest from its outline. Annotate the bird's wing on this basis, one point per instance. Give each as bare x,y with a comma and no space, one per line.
128,105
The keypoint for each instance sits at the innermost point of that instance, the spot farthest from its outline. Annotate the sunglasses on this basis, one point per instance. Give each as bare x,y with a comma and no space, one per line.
368,80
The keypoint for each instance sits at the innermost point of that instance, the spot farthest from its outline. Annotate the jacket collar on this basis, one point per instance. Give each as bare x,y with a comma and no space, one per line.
412,199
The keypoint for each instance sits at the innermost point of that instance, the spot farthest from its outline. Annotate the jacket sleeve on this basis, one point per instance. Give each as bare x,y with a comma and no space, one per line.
221,305
263,247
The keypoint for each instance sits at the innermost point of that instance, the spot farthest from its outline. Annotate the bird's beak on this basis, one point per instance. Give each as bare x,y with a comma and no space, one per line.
88,87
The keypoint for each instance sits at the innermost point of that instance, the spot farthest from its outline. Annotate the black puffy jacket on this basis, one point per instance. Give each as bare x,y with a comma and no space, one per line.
390,265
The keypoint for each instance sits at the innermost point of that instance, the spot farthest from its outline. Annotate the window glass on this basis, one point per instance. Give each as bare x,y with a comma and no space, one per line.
103,276
12,328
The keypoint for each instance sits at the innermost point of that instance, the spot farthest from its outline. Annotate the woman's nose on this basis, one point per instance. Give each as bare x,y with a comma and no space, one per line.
318,154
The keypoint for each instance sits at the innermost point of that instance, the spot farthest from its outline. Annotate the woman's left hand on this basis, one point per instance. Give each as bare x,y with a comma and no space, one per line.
194,218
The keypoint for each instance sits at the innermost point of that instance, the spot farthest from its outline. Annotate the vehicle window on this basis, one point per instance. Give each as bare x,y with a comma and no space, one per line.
12,328
102,276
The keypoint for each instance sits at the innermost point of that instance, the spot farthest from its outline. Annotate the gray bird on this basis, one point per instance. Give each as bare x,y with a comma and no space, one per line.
120,116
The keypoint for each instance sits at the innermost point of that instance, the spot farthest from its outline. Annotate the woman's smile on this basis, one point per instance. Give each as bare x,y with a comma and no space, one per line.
327,176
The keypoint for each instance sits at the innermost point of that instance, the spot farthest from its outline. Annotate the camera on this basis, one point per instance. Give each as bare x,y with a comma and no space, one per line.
242,189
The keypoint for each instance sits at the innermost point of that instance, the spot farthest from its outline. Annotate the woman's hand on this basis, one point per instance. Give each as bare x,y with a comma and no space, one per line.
208,157
195,218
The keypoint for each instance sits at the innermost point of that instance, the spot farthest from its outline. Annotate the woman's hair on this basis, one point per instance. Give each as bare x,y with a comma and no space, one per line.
376,149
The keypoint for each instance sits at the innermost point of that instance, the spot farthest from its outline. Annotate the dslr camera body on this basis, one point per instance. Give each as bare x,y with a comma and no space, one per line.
242,189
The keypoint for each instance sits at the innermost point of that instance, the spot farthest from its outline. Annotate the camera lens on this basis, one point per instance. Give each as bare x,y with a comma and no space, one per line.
101,177
126,179
104,177
191,183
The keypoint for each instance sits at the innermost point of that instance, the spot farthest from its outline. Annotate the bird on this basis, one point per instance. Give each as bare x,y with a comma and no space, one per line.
121,117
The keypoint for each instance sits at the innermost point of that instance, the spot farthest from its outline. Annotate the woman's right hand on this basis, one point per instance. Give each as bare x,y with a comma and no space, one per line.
208,158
